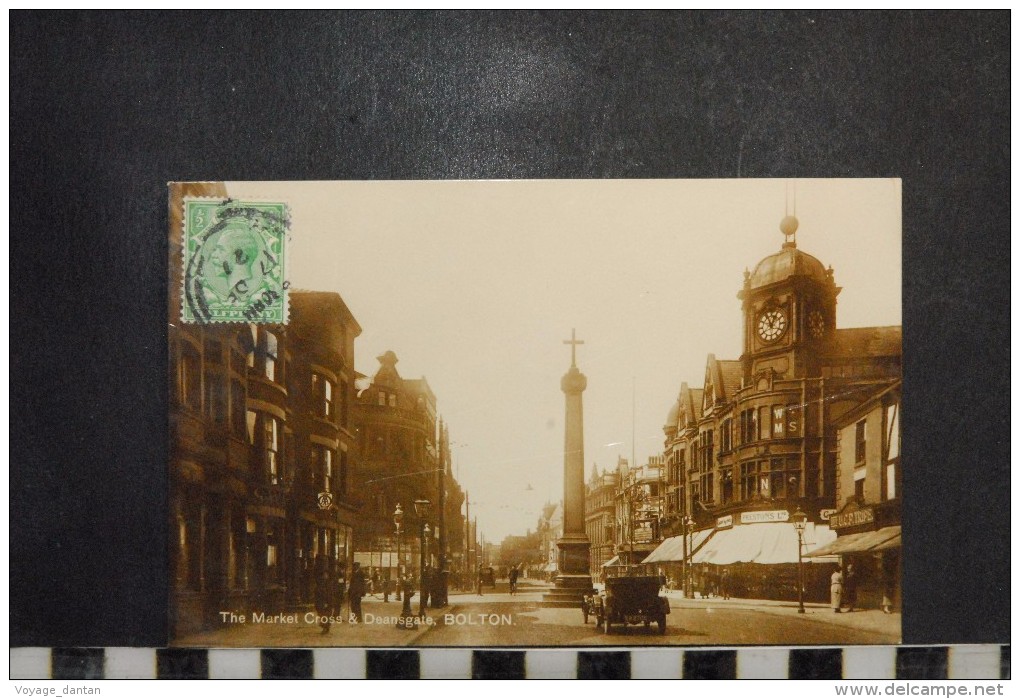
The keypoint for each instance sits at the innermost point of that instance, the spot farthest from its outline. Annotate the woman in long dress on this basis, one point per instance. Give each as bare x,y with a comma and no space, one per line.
836,590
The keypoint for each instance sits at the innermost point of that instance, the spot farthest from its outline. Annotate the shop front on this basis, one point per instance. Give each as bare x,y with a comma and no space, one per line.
868,545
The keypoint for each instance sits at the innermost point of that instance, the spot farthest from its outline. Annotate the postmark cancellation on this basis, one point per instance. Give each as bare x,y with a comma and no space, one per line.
234,264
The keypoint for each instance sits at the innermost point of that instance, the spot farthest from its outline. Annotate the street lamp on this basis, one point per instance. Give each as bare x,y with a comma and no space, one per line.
421,508
398,517
688,524
799,522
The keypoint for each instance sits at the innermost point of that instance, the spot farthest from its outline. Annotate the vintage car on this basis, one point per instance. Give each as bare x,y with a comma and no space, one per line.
488,576
627,600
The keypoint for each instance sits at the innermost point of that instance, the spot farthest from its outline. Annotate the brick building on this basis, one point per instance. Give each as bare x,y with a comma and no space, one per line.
258,428
868,493
403,456
758,440
600,517
638,504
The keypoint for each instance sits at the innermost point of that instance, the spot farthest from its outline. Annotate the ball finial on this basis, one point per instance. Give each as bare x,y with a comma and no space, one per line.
789,225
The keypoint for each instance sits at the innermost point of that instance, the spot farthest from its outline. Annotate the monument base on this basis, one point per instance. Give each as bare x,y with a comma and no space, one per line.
569,591
573,581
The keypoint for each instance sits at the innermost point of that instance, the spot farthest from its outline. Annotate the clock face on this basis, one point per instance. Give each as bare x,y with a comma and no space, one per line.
816,324
771,325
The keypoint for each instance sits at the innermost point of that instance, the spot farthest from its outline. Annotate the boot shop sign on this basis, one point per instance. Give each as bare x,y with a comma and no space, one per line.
852,518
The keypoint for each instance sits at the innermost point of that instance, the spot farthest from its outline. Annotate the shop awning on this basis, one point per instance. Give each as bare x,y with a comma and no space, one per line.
699,538
614,561
884,538
672,549
894,543
763,542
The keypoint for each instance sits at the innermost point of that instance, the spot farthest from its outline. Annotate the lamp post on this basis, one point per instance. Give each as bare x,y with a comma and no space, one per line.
421,508
799,522
688,524
398,517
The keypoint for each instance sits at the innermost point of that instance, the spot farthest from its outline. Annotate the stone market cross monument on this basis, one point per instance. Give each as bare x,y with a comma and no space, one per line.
574,579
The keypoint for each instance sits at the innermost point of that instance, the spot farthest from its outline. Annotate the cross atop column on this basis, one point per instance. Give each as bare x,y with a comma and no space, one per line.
573,342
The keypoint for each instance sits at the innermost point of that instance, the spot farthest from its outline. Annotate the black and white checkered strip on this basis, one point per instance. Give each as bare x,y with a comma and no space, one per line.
862,662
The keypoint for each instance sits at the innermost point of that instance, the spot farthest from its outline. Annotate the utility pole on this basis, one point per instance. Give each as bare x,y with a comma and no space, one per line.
633,421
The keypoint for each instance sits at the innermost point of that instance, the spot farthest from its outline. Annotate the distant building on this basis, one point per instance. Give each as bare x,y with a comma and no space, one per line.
403,456
454,500
600,517
638,510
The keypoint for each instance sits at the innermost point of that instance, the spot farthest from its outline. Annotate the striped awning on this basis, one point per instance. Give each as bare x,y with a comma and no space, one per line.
672,549
767,543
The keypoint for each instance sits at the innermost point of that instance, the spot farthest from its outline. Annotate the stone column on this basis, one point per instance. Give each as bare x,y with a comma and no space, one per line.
573,580
574,546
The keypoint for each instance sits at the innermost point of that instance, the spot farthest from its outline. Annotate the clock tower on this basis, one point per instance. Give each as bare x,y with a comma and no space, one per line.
789,304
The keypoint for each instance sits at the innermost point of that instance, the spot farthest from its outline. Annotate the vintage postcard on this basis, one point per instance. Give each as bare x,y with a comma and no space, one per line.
535,413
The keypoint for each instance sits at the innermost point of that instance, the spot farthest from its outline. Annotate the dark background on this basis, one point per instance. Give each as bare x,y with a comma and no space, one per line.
106,108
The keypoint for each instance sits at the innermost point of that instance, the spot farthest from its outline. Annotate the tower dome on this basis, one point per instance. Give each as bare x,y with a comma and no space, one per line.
788,262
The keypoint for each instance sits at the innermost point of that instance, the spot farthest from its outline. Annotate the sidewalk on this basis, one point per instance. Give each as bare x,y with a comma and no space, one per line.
864,619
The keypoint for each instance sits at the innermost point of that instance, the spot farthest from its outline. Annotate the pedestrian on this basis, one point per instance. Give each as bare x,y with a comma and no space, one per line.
887,596
850,587
375,581
889,566
341,591
513,580
836,590
323,599
479,580
359,585
724,583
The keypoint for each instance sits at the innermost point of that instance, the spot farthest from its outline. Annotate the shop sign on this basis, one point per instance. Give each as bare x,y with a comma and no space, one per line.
824,515
723,522
325,501
765,516
854,518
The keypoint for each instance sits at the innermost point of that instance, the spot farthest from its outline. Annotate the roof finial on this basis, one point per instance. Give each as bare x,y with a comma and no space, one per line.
788,226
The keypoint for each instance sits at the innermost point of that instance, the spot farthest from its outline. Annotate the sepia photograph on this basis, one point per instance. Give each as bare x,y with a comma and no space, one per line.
535,413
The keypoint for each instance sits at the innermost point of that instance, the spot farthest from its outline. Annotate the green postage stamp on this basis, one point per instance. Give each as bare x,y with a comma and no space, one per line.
234,261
